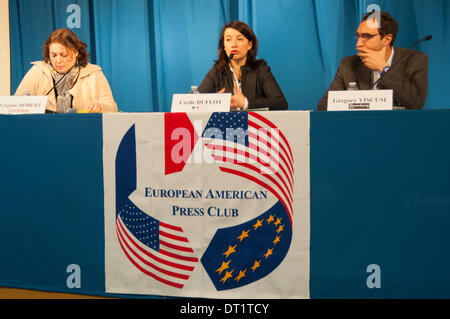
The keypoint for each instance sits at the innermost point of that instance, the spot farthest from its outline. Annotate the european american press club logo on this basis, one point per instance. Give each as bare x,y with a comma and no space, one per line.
247,146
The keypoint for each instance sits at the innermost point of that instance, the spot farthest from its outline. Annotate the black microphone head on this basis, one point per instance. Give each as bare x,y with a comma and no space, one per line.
426,38
231,56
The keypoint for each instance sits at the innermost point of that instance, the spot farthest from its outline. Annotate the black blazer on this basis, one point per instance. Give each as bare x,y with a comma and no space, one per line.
408,77
257,84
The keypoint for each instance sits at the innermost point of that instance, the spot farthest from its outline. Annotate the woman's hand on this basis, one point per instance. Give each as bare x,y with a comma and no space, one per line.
237,99
95,107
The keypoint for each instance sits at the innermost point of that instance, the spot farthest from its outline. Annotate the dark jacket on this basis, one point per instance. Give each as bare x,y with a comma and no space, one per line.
408,77
257,84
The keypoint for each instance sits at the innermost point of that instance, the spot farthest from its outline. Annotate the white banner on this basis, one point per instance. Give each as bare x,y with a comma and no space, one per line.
212,205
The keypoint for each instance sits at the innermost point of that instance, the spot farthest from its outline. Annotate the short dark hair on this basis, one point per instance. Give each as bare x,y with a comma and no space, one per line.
69,39
246,32
388,25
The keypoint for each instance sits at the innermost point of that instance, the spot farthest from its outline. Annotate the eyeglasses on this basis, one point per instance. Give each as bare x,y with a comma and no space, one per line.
365,36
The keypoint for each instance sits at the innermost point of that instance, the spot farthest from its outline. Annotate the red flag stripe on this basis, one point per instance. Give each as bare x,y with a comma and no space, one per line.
270,124
288,176
149,254
180,257
151,265
289,158
229,149
148,273
174,237
262,152
249,177
290,161
176,228
263,140
256,169
176,247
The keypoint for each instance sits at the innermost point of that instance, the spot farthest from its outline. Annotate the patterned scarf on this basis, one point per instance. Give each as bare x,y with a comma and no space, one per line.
63,84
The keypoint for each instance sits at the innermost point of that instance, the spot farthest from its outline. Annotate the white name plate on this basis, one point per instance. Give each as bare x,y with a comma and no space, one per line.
360,100
202,102
23,104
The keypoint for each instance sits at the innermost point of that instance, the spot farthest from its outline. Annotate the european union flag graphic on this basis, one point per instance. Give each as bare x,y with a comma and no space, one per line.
242,254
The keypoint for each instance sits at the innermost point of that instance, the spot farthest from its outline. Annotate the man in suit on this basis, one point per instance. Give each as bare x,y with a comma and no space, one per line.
380,65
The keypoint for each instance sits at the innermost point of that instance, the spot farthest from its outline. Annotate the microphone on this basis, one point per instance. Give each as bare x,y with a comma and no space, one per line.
231,56
426,38
55,84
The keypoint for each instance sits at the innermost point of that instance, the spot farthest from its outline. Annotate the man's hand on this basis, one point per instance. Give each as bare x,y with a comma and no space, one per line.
374,60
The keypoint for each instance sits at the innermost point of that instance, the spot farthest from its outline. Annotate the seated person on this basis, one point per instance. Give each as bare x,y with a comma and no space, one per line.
380,65
67,77
237,71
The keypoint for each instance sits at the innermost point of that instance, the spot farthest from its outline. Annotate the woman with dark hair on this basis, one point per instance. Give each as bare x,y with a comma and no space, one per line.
67,77
237,71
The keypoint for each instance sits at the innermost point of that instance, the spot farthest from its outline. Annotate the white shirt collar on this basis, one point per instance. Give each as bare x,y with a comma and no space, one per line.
391,57
376,74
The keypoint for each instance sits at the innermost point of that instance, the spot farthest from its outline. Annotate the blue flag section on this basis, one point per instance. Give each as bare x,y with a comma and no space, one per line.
126,168
245,253
230,126
142,226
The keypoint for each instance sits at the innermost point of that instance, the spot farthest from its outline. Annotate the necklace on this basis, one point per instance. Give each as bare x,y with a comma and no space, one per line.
236,79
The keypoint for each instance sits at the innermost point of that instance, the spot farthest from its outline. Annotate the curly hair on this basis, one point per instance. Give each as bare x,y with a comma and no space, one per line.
388,25
70,40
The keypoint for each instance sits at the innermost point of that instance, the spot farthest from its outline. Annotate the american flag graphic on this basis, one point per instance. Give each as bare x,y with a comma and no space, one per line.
252,147
157,249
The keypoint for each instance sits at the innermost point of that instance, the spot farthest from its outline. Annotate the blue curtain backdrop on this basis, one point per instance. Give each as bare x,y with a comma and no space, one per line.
150,49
